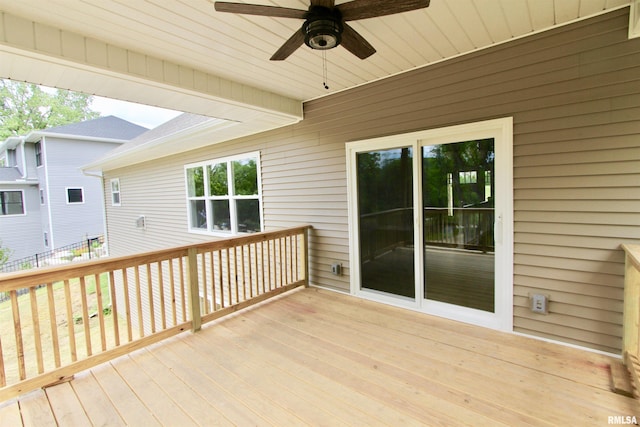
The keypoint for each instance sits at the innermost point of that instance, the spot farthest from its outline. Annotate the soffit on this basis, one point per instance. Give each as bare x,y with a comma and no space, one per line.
237,48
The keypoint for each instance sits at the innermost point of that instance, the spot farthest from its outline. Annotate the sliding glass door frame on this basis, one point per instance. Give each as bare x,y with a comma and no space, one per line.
501,130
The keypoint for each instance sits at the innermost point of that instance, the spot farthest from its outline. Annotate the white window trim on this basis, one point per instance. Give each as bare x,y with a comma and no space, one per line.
502,131
119,192
66,192
24,203
234,228
35,154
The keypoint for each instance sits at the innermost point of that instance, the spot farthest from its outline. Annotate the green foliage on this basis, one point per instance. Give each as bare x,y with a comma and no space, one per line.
5,254
245,176
218,183
25,107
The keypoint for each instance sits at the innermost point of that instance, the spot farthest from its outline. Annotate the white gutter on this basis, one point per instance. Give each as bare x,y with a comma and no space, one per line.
104,205
46,180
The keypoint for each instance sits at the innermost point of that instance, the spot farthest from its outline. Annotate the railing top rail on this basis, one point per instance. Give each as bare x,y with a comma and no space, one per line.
22,279
633,251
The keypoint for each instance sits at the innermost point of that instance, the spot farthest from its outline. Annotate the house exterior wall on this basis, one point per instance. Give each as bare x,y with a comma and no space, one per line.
71,223
574,95
21,233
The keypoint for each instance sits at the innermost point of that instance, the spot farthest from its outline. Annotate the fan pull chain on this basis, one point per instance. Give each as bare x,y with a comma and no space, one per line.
324,70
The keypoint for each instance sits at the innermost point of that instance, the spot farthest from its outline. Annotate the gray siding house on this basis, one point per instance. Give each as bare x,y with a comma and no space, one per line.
48,202
552,120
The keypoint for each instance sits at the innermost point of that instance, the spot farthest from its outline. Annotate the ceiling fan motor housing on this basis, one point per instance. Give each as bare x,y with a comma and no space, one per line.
322,28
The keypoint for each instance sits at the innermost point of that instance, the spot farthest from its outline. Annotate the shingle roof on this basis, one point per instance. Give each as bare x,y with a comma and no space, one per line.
103,127
9,174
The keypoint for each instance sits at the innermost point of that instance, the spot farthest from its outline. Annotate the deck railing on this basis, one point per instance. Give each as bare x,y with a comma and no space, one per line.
90,312
631,315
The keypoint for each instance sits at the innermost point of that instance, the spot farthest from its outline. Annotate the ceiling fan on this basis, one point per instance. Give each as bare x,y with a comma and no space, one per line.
325,23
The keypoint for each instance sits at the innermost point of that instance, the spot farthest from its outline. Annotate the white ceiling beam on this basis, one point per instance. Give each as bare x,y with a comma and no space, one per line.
42,54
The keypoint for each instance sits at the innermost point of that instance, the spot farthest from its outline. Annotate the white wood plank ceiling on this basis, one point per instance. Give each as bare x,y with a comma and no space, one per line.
236,47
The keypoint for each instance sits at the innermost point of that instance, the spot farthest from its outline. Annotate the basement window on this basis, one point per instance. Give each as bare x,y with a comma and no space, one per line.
224,196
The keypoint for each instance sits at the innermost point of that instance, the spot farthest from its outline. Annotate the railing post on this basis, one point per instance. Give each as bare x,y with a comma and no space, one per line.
305,256
631,308
194,289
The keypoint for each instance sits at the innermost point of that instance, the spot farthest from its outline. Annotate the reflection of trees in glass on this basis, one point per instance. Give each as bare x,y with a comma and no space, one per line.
245,177
218,184
441,161
195,182
385,180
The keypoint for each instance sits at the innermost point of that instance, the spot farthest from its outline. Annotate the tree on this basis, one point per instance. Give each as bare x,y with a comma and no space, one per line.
25,107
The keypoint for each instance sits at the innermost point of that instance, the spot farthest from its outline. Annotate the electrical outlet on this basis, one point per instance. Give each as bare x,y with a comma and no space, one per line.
539,303
336,269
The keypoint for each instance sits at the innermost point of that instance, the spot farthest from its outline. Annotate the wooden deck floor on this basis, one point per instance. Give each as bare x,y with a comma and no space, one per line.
313,357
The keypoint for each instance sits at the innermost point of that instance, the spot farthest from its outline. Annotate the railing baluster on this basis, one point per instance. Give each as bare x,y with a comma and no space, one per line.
152,306
205,294
114,309
213,280
163,315
255,265
3,375
70,322
54,325
282,268
221,279
35,319
127,303
103,334
136,271
85,316
183,295
18,334
269,264
172,286
235,272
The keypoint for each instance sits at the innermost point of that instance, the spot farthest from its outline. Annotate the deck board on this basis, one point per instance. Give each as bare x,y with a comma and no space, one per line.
313,357
95,402
66,407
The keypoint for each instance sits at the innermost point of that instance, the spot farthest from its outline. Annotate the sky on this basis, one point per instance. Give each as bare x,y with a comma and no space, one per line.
142,115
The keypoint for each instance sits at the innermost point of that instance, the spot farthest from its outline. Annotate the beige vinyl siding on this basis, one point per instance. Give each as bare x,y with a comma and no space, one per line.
574,95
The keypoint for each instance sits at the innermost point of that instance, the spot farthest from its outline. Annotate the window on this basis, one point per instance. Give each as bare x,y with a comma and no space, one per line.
11,203
224,195
41,196
75,195
46,239
115,192
38,148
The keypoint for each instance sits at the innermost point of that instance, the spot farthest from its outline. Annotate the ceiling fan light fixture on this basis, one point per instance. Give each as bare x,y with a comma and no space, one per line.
322,31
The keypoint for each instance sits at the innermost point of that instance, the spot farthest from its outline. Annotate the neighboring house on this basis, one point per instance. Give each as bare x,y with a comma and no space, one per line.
552,121
47,201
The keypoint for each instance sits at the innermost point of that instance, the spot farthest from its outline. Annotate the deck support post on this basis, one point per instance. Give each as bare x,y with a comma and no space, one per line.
194,289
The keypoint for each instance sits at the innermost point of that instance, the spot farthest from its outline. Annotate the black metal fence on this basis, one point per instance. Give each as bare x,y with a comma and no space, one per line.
87,249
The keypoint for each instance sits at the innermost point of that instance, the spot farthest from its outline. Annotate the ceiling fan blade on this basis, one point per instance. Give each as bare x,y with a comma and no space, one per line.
363,9
355,43
290,46
256,9
324,3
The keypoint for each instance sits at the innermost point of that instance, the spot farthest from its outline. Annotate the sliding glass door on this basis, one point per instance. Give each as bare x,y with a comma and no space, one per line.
458,194
430,221
385,212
